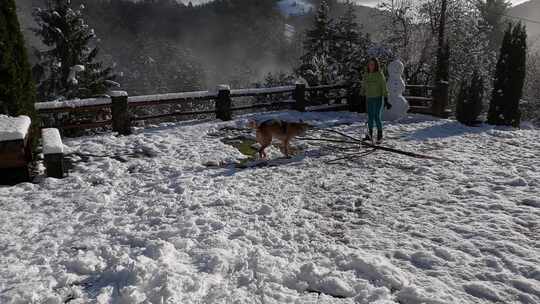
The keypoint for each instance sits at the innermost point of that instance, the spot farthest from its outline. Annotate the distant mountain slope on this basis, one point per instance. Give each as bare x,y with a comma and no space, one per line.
530,10
294,7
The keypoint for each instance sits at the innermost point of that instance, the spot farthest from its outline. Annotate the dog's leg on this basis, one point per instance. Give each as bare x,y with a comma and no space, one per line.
262,153
286,148
264,145
261,140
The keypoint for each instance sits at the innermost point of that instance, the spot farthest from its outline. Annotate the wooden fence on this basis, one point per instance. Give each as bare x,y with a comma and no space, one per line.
298,97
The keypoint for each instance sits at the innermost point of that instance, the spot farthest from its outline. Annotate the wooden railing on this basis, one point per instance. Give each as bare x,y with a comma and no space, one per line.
420,98
123,108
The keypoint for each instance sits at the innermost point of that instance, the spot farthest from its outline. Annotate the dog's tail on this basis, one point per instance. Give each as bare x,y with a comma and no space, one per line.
252,124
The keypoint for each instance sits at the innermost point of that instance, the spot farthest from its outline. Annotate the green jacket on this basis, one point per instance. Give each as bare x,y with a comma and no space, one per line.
374,85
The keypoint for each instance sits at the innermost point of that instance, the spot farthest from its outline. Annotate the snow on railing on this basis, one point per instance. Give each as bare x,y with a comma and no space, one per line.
74,103
171,96
157,98
260,91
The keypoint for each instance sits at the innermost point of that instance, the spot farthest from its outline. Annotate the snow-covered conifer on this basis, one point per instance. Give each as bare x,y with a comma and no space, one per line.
68,68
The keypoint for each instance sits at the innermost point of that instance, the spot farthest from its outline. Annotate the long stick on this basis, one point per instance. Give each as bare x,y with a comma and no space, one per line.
359,142
343,134
407,153
329,140
350,157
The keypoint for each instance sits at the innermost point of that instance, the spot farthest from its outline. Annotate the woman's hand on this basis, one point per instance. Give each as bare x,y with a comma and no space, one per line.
387,105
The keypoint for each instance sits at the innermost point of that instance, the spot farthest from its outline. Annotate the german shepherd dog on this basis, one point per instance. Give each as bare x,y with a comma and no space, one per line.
276,128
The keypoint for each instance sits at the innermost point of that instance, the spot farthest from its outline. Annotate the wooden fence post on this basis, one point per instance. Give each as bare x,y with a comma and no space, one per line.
53,152
121,120
299,96
223,103
440,100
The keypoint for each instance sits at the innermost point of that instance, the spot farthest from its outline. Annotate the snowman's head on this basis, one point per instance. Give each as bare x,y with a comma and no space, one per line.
396,67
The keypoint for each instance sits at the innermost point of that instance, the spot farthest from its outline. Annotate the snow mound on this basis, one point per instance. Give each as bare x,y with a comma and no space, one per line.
482,291
532,202
316,281
265,209
410,295
86,263
376,269
425,260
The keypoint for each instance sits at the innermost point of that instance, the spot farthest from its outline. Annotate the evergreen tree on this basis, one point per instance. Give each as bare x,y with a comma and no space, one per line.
317,64
492,13
334,51
509,78
469,104
318,39
17,93
69,68
442,70
350,46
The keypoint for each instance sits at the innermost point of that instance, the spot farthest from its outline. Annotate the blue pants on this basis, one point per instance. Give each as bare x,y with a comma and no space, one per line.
375,110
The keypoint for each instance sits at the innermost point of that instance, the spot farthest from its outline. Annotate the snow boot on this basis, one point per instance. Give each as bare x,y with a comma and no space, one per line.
369,136
379,136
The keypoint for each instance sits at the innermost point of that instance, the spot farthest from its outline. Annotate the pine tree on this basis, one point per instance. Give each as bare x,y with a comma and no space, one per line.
318,39
17,92
517,71
469,104
69,68
349,47
492,13
509,78
317,65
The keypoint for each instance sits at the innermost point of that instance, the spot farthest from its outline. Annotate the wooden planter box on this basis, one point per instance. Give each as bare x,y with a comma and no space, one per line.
15,157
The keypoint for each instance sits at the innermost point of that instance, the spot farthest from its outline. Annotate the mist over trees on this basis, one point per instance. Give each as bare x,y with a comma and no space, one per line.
236,42
163,46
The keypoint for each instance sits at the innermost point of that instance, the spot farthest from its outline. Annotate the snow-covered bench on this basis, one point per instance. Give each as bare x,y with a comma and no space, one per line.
15,150
53,152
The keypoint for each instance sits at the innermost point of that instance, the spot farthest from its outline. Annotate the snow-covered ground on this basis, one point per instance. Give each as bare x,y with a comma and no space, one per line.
161,226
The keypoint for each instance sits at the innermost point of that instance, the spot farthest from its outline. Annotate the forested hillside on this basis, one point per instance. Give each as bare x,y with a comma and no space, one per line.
163,46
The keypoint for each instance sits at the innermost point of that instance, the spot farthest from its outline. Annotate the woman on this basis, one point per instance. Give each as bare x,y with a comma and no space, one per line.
376,93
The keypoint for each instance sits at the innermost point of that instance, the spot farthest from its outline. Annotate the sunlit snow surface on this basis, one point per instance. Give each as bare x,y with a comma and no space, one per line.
165,228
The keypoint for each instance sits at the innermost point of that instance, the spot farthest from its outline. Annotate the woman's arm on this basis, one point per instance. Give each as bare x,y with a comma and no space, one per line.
384,89
363,86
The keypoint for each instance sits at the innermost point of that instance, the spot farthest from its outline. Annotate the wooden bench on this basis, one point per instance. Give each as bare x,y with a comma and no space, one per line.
53,152
15,149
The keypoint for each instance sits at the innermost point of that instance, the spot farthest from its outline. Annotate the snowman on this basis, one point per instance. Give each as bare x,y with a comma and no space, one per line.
396,87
